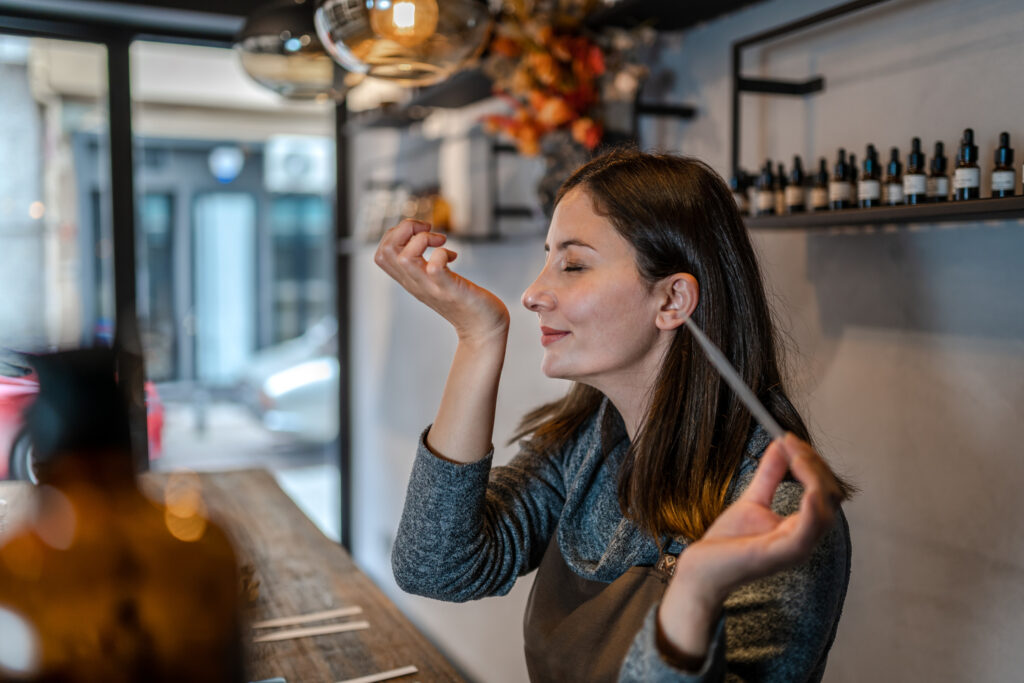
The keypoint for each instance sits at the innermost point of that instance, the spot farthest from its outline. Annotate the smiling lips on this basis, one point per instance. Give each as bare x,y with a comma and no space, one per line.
549,335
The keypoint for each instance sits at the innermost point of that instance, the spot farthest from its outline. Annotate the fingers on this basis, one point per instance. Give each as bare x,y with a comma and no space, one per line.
439,260
400,253
769,474
811,470
798,534
413,250
398,236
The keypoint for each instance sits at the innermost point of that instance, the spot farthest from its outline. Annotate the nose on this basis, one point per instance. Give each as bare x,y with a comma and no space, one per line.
538,297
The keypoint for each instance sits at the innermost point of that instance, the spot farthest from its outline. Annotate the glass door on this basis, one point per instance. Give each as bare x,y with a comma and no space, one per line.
234,273
56,260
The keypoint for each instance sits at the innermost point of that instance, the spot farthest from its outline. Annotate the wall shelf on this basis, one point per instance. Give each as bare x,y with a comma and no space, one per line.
1006,208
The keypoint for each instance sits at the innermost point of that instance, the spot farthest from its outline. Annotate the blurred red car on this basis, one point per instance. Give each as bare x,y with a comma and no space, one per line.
19,386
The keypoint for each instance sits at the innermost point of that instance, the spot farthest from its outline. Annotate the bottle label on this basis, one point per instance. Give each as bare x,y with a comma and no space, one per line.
839,191
765,200
869,189
916,183
819,197
1003,180
966,178
938,186
794,195
894,193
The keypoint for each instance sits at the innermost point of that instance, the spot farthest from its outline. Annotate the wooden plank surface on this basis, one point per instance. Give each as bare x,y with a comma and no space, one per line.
300,571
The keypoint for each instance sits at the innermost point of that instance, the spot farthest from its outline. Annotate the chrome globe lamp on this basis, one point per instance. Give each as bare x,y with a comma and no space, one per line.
280,50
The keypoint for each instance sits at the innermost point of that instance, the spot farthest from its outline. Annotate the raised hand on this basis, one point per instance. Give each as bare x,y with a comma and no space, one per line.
474,312
749,541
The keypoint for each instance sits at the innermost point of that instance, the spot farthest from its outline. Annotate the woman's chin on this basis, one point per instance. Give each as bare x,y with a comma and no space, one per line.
551,370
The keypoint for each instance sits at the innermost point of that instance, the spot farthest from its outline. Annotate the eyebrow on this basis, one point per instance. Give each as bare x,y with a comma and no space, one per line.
570,243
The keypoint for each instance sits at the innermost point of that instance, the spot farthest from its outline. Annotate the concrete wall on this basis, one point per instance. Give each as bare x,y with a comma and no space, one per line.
908,342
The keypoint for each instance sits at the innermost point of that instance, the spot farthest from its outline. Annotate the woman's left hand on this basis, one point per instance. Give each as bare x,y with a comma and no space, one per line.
748,541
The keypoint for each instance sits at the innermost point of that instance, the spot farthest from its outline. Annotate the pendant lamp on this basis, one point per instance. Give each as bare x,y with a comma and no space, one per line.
280,50
409,42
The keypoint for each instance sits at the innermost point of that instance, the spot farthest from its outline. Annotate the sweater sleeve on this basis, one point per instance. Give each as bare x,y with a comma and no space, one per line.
776,629
469,531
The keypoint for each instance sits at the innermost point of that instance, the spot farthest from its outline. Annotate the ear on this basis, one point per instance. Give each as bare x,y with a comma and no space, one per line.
680,294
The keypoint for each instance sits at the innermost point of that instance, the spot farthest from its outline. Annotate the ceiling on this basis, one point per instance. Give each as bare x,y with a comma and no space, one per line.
215,19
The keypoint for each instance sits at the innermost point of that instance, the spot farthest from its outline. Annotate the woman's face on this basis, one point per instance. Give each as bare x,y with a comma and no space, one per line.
597,316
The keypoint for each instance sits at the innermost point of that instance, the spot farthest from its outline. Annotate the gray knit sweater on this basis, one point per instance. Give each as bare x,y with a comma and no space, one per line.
469,531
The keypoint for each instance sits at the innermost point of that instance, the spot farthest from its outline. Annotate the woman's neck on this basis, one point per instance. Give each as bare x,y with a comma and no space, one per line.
631,397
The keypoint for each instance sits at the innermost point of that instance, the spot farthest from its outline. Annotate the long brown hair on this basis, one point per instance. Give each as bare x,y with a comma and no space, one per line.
680,217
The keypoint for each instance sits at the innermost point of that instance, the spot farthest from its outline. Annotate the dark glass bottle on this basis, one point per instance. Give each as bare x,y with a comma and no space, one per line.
1004,178
938,181
819,192
839,188
796,196
869,187
765,191
738,184
894,179
915,182
967,176
780,191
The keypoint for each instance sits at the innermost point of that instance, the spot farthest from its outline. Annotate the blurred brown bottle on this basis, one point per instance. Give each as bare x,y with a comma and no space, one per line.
103,583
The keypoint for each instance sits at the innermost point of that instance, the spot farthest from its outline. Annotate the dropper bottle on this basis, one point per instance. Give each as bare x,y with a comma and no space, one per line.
780,191
967,176
1004,178
938,181
839,188
738,186
796,201
894,179
765,191
869,187
915,182
819,193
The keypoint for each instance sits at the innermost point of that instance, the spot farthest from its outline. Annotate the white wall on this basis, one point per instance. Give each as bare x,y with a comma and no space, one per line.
909,342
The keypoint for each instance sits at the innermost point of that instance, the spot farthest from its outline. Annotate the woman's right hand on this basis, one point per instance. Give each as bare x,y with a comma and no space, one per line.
476,313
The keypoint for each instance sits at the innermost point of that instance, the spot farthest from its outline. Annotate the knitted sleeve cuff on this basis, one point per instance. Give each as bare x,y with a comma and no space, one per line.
646,662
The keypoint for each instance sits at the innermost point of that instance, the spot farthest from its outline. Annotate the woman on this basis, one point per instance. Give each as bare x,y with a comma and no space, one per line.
669,542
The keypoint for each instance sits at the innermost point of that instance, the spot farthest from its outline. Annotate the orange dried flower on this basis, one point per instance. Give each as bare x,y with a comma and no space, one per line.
536,99
522,81
528,141
555,112
544,67
595,60
587,132
506,47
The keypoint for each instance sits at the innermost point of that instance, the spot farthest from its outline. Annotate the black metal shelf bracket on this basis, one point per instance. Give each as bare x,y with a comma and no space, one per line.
740,84
777,87
677,111
499,211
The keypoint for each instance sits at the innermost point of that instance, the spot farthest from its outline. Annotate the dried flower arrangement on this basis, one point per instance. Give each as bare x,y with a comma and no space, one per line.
556,75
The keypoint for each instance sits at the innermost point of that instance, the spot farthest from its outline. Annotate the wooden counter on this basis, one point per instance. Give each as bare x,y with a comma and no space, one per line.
299,571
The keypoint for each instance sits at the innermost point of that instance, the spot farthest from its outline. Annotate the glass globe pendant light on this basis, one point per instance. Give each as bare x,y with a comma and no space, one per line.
410,42
280,50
